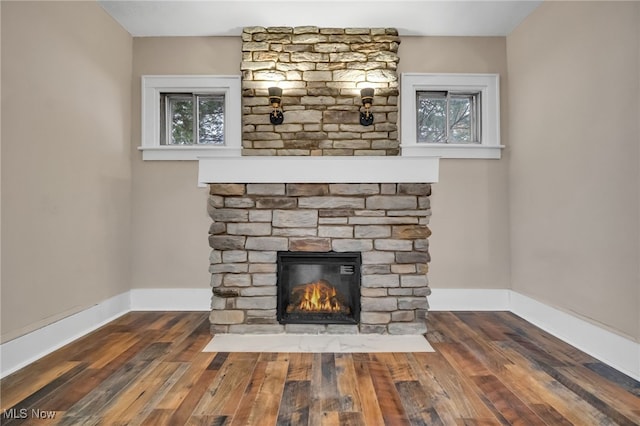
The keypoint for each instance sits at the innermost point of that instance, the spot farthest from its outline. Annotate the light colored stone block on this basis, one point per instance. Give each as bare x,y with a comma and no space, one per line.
383,304
335,231
393,245
259,291
354,188
264,279
386,281
258,302
230,215
400,292
407,328
215,256
351,245
396,202
267,243
375,317
342,329
238,202
216,280
260,215
376,269
218,303
262,256
373,329
233,256
330,203
294,232
373,292
262,268
403,316
227,189
372,231
295,218
219,268
236,280
259,228
256,328
377,257
414,281
266,188
412,303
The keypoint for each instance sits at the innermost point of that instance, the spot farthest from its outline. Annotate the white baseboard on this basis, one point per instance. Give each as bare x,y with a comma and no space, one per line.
24,350
612,349
171,299
30,347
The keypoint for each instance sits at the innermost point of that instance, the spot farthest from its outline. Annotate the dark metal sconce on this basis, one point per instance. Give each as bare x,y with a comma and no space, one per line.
366,116
275,99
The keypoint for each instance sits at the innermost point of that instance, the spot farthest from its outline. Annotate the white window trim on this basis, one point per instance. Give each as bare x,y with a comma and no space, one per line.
487,84
153,85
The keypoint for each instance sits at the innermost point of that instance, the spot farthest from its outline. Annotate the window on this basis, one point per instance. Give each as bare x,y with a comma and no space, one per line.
450,115
186,117
190,118
447,117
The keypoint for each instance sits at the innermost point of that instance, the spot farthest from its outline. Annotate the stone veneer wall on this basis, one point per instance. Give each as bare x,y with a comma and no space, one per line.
321,72
387,223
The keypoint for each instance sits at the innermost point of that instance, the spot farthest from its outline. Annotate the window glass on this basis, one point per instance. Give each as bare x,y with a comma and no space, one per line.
181,123
189,119
211,120
447,117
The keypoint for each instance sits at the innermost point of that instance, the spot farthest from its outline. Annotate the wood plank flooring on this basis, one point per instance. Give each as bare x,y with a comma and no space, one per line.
488,368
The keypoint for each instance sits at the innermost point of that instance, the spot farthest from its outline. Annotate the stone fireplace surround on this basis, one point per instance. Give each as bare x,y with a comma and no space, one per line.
319,182
384,216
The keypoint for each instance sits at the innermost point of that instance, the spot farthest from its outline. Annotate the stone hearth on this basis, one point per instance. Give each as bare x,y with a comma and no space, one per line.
386,222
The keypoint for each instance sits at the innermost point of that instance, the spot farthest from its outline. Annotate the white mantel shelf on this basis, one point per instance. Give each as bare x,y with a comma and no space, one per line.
328,169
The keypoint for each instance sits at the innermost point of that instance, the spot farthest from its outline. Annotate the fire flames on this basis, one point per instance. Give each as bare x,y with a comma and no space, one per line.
319,296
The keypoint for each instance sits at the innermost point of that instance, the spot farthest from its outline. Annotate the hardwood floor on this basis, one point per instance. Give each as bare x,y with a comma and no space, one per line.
489,368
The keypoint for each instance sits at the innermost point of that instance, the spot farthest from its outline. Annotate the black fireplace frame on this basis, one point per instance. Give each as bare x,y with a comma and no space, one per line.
348,259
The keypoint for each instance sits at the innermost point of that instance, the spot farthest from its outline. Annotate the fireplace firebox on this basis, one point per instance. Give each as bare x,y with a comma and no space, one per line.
318,287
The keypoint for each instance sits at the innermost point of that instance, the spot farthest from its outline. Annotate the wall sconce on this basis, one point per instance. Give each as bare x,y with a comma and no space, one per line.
366,116
275,99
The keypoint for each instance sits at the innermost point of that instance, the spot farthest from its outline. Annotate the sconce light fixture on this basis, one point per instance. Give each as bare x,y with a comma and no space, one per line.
275,99
366,116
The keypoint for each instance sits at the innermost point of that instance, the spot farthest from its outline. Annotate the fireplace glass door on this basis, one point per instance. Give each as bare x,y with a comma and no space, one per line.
318,287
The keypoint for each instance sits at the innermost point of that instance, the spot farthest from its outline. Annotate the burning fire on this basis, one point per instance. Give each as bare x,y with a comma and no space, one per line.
319,296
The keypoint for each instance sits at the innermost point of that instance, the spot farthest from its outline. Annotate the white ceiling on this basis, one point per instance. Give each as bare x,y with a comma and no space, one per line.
145,18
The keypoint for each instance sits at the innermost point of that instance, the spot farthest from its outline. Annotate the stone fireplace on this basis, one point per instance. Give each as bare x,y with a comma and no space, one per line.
385,223
317,188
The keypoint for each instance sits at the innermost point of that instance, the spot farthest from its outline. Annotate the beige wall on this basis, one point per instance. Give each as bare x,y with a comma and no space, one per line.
66,175
574,168
470,241
170,247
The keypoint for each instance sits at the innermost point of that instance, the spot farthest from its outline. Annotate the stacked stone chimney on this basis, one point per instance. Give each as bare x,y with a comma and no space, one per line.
321,72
